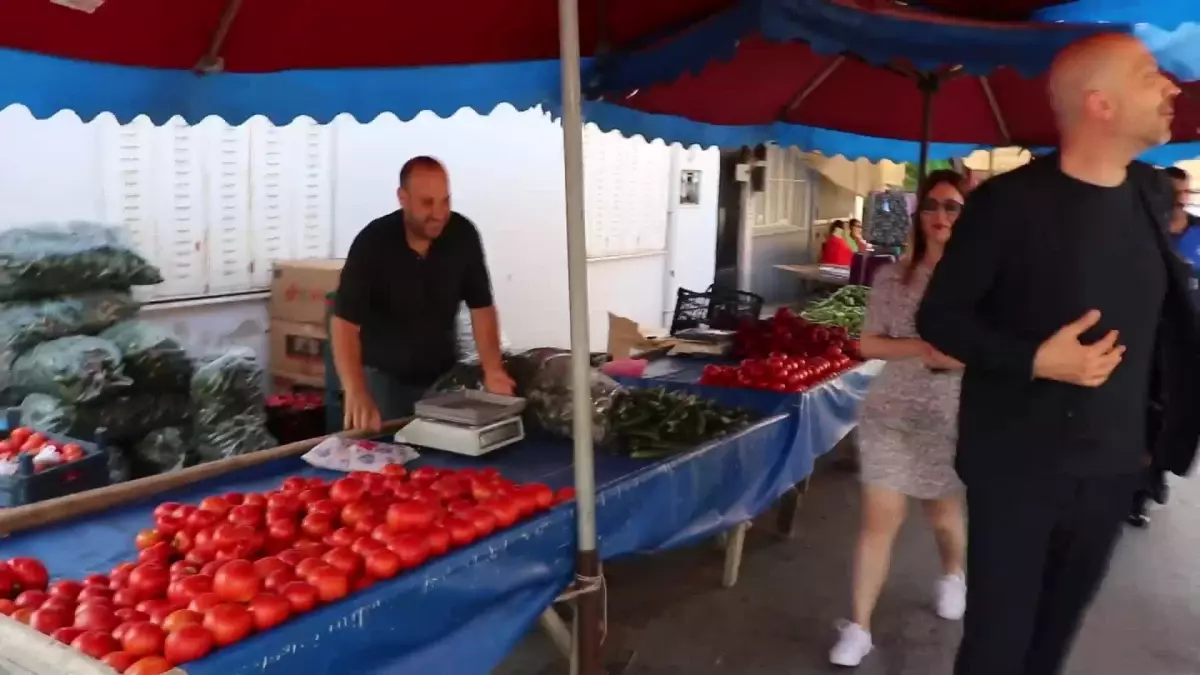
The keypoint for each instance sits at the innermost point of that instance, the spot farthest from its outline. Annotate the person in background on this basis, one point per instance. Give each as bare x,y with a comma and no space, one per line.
907,426
1185,237
860,244
836,251
1061,294
394,324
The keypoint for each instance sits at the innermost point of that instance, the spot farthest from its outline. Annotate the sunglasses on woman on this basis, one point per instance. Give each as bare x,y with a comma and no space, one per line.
949,206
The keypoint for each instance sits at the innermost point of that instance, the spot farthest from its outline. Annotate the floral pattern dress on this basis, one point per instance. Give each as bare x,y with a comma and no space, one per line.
908,422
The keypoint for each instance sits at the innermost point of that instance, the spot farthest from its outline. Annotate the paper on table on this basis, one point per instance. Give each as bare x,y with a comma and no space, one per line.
342,454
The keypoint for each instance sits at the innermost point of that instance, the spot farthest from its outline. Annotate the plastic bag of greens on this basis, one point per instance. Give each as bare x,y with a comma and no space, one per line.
25,324
163,450
153,357
228,386
125,418
57,259
233,437
550,398
78,369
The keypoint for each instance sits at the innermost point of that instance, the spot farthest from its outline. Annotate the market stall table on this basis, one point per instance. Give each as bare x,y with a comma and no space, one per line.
463,612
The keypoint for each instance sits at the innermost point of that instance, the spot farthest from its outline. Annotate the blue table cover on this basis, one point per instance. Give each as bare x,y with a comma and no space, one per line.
462,613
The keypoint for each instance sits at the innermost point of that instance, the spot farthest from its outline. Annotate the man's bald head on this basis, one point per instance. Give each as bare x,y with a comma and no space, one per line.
1109,87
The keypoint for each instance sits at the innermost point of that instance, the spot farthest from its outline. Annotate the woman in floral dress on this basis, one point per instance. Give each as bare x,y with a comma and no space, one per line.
907,426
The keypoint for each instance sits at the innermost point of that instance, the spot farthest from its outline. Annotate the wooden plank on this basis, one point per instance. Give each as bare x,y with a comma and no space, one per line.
72,506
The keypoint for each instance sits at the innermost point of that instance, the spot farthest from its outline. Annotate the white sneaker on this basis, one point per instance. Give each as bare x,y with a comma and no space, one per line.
951,597
853,645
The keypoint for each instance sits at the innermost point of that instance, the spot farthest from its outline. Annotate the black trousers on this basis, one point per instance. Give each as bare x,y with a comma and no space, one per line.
1037,550
395,399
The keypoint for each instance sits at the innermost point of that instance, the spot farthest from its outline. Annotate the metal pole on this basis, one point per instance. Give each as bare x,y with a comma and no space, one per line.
588,610
928,85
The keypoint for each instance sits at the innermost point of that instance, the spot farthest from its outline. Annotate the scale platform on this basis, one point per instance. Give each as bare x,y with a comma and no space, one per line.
462,439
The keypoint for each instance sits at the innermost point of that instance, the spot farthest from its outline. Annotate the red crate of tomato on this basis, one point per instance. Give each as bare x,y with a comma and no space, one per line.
35,465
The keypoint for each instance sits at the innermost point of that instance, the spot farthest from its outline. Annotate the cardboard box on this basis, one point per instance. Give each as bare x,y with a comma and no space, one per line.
626,339
298,352
299,287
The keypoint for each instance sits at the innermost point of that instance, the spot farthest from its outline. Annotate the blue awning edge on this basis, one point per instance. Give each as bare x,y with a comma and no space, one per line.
48,85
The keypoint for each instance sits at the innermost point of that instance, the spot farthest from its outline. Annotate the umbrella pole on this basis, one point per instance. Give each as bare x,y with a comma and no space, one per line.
588,611
928,84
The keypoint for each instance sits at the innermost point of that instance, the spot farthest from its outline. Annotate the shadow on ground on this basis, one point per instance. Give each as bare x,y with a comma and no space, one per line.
672,612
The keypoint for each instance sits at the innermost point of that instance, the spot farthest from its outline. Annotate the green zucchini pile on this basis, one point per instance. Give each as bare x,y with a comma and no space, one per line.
656,423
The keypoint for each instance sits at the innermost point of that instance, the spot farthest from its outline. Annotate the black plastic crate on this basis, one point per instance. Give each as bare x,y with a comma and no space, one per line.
716,308
29,485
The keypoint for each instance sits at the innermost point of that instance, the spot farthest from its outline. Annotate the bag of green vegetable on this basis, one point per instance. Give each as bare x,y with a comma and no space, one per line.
232,437
153,357
79,369
549,394
25,324
163,450
58,259
227,386
125,418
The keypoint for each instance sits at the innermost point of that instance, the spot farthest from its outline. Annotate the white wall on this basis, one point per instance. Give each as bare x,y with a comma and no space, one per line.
507,176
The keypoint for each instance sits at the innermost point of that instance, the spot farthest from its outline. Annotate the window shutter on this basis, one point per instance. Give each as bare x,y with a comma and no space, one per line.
227,182
179,209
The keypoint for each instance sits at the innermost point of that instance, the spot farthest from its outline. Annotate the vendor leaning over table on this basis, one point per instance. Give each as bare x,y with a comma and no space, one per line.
393,328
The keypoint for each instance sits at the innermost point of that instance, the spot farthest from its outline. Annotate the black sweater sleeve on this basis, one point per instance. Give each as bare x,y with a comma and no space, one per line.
951,316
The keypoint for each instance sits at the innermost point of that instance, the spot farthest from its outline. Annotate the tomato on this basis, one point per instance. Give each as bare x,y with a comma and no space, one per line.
346,490
100,580
265,566
344,560
159,554
292,557
482,520
210,568
120,661
283,531
438,541
126,614
396,470
147,538
355,512
364,545
505,510
30,573
218,505
325,507
301,596
412,549
308,566
311,548
67,590
19,435
201,519
461,531
32,599
330,583
341,537
566,494
408,516
278,579
95,618
310,496
9,584
204,602
270,610
229,623
542,494
317,525
190,642
367,525
49,620
95,644
126,597
35,441
237,581
247,515
143,639
150,580
95,593
150,665
181,618
22,615
7,607
383,564
482,490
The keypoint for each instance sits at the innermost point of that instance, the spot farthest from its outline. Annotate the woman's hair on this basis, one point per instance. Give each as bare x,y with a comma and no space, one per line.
835,226
916,251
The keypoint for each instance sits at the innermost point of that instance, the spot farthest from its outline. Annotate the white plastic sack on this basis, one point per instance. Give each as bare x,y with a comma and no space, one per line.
342,454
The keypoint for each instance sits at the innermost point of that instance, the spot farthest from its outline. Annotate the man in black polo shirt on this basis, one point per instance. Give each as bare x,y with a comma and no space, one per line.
393,329
1061,294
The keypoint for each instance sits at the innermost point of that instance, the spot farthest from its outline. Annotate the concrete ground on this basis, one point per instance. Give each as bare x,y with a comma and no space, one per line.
672,613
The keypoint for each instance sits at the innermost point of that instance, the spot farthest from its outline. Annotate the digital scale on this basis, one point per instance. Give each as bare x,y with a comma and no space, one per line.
471,423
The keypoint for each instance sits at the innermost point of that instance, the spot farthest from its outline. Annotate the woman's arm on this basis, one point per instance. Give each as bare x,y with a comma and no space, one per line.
875,346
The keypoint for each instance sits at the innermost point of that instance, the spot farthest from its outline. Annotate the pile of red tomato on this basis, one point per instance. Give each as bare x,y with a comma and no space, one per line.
790,335
210,575
25,440
779,372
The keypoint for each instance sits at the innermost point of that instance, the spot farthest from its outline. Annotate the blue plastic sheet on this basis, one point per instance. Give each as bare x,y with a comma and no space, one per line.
462,613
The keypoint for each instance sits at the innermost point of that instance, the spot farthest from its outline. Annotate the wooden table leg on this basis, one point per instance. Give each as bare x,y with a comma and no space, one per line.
733,554
558,631
789,505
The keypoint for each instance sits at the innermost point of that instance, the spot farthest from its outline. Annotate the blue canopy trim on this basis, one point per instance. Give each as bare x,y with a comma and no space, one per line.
1164,14
47,85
